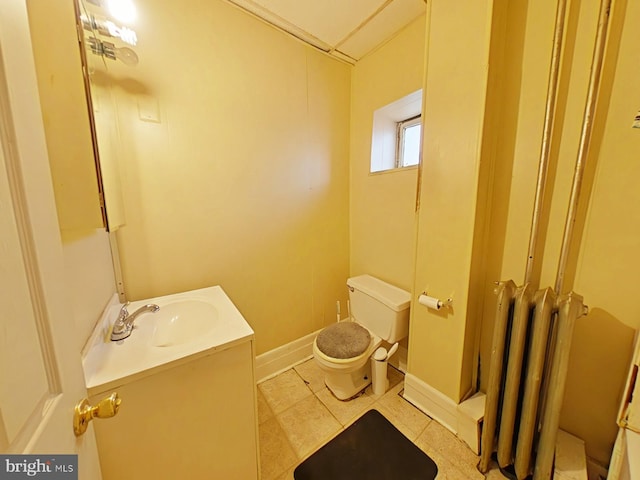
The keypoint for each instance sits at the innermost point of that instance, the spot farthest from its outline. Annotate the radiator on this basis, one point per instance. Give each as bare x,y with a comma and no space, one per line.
527,373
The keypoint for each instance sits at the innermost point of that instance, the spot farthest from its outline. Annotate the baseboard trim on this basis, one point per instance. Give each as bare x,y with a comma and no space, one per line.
276,361
463,419
435,404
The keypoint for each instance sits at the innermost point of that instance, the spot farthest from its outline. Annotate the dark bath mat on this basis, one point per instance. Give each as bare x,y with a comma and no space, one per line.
371,448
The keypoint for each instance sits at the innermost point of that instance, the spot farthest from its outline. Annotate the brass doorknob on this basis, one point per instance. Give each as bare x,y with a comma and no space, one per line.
84,412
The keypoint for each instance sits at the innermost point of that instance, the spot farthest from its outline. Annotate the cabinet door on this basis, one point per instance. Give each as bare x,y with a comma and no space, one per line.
193,420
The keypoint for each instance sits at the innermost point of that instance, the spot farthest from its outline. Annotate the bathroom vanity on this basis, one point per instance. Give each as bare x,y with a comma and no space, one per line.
187,389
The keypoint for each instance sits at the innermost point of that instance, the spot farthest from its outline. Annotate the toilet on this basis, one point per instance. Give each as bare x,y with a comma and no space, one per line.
379,312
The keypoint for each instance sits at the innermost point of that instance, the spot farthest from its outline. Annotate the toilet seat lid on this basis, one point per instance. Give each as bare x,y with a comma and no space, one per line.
343,340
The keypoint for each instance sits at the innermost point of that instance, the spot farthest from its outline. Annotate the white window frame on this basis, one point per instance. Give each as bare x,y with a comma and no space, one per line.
400,139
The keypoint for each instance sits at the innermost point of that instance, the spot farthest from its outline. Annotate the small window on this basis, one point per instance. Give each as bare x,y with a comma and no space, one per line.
395,136
408,144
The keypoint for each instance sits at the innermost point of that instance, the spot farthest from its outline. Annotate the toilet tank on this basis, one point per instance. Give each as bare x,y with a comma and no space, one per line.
380,307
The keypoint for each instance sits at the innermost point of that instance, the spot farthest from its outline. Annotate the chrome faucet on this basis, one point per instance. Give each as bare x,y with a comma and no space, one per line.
123,325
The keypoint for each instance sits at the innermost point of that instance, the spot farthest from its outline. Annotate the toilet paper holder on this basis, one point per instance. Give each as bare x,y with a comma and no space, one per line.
433,302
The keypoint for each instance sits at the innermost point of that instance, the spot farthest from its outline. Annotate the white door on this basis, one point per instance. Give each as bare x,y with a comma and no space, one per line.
41,376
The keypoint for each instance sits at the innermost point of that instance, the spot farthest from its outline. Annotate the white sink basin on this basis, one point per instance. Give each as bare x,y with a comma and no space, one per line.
187,325
181,322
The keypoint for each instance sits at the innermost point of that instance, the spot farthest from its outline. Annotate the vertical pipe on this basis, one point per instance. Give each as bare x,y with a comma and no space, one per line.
550,107
585,138
505,292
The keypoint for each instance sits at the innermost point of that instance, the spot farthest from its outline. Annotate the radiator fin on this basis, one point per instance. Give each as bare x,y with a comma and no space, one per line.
527,375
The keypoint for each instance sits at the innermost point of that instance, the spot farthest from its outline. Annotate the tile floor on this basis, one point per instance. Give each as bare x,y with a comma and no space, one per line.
298,414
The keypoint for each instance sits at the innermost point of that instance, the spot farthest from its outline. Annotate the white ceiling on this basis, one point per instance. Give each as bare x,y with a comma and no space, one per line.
347,29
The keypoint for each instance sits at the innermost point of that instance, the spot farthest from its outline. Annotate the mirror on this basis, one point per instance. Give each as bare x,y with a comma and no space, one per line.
106,81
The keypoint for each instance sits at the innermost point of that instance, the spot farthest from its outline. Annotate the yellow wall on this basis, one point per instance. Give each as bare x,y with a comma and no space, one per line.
243,180
383,204
89,275
453,113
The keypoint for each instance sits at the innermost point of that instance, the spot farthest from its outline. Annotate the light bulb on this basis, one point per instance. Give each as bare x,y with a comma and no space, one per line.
123,33
126,55
122,10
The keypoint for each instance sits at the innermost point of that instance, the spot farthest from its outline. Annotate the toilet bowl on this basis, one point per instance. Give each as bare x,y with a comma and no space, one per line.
380,312
345,377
